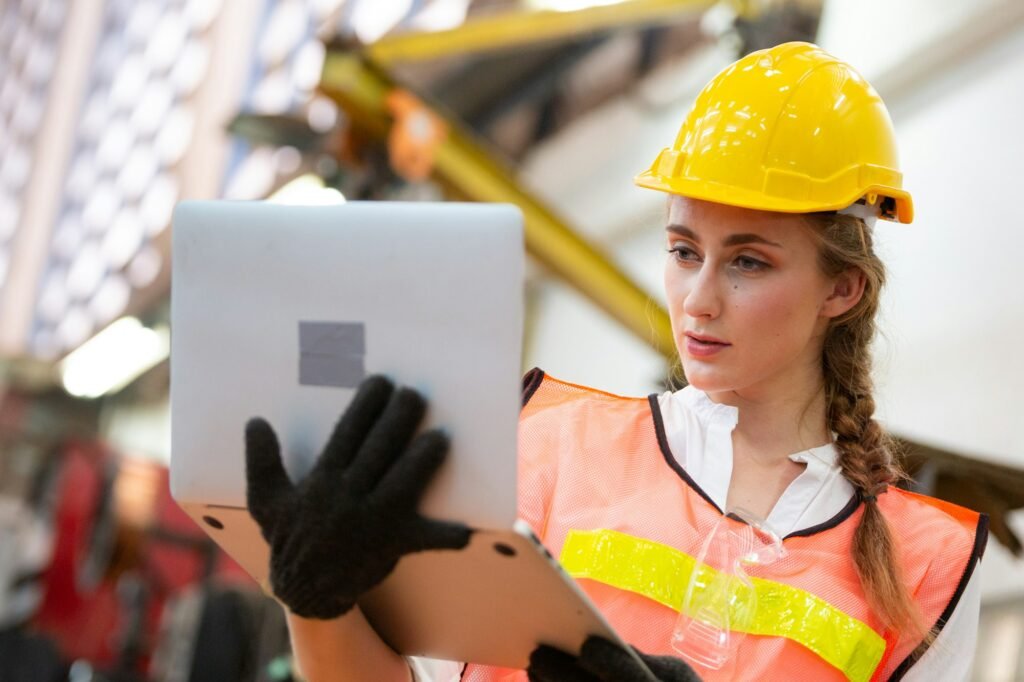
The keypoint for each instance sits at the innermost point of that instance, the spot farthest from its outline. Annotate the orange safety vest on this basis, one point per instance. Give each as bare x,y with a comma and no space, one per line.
601,489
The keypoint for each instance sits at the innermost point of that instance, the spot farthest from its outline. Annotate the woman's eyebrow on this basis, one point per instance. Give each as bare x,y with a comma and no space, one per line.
747,238
682,231
731,240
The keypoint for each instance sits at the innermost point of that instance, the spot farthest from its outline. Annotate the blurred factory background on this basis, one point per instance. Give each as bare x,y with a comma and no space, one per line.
111,111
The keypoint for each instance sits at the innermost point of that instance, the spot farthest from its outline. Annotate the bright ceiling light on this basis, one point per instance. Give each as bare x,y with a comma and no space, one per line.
167,41
142,21
138,172
113,358
130,81
274,94
253,177
190,67
175,135
307,64
122,239
74,327
86,271
201,13
440,15
287,26
287,160
322,114
371,19
158,203
145,267
569,5
111,298
307,190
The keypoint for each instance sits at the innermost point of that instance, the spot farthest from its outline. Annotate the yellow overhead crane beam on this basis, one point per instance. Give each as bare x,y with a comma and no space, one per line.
462,163
513,29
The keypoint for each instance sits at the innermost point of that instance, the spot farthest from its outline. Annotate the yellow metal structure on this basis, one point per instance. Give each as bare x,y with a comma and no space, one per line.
463,164
506,31
790,129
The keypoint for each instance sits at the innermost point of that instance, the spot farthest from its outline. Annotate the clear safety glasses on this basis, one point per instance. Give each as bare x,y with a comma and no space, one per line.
720,603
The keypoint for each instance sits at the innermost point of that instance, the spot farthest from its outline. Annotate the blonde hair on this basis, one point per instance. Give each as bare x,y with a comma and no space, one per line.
867,454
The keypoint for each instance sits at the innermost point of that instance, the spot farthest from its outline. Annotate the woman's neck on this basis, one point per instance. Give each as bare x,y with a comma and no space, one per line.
771,427
775,422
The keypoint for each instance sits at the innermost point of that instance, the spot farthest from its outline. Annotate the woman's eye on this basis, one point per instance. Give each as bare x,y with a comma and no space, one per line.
748,264
684,253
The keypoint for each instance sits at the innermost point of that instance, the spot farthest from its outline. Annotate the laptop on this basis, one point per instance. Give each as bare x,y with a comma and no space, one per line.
280,312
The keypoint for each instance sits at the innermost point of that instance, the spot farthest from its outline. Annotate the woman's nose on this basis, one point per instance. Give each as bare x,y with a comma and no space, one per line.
703,299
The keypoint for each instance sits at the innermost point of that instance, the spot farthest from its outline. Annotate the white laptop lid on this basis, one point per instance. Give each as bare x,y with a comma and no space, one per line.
279,311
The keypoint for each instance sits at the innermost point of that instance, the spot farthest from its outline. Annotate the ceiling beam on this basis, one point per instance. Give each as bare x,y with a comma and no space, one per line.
516,29
466,165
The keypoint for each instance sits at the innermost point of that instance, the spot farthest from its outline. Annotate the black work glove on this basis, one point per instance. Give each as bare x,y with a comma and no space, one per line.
342,529
603,661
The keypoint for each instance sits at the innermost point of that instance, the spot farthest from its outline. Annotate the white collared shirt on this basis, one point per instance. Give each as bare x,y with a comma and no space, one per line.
699,434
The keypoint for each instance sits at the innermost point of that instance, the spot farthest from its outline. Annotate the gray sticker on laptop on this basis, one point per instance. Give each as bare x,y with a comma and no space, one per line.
332,354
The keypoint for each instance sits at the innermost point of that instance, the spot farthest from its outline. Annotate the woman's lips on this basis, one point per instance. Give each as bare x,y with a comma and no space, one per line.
703,347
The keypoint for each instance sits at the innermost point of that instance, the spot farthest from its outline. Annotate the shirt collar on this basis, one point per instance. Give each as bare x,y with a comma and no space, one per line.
706,409
826,454
709,412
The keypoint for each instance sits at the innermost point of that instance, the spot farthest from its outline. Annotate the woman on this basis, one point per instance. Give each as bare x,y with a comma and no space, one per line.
775,180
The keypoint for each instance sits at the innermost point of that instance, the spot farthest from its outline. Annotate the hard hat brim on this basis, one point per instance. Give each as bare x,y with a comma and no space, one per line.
745,198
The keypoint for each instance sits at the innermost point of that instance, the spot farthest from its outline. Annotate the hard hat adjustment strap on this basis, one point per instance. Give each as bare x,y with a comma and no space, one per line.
865,209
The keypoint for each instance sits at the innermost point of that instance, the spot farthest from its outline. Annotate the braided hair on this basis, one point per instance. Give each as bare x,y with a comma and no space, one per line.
867,454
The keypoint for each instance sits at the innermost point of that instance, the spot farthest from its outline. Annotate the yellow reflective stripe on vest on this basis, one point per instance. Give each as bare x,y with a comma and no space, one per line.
661,573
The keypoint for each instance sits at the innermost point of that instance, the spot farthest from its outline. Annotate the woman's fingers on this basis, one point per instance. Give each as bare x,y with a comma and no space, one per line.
401,488
352,429
548,664
428,534
670,668
387,439
403,485
266,481
609,662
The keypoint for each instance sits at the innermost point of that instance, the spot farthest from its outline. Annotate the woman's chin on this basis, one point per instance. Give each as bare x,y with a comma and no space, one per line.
707,379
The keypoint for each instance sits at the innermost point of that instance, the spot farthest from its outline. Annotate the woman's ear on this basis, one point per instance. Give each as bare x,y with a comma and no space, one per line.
847,290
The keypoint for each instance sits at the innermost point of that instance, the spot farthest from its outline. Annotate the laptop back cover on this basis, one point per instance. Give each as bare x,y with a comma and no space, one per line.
280,311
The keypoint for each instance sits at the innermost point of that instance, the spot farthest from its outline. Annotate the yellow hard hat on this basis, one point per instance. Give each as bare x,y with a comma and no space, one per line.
789,129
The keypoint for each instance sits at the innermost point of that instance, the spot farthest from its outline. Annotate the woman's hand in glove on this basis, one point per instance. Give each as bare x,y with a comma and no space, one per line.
603,661
341,530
